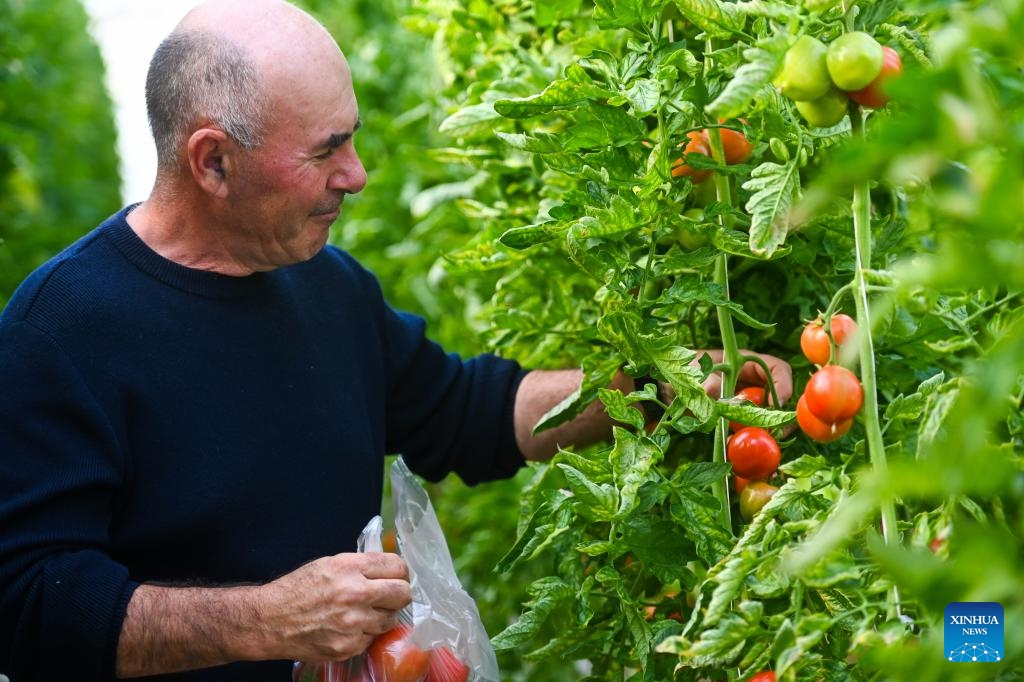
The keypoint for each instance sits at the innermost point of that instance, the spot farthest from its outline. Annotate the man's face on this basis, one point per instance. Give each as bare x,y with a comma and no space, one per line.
289,190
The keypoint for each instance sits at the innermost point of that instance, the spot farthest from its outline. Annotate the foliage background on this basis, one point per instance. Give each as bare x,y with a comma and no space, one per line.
58,164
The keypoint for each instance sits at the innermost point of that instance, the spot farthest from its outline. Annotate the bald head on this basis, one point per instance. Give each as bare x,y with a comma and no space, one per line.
229,63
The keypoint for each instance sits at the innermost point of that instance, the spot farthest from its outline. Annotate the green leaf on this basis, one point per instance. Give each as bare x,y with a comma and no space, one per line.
756,72
549,595
718,19
596,501
571,92
622,410
633,459
470,118
773,187
625,13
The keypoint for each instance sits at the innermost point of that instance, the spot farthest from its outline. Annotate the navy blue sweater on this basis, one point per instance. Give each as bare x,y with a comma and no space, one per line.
159,423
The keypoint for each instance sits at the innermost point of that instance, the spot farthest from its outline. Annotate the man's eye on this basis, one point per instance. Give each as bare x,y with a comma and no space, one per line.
325,155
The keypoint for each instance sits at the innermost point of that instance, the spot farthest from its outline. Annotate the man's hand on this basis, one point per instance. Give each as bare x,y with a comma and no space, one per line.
328,609
332,608
753,374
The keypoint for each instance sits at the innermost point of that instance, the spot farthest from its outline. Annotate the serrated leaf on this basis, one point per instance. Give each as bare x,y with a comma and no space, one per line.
622,410
632,460
595,501
531,235
571,92
757,70
773,187
751,415
469,118
549,594
625,13
537,142
718,19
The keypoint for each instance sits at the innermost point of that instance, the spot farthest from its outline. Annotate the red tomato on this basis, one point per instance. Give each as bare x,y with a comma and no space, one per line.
834,394
753,394
814,342
763,676
698,143
873,95
739,483
754,453
394,658
735,144
445,666
817,429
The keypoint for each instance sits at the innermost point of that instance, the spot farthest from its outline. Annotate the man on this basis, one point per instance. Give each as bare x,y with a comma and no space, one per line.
198,395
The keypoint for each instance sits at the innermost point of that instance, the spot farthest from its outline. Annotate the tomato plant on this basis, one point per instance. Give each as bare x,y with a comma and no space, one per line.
815,428
697,143
548,196
735,144
826,111
764,676
393,657
804,74
854,60
753,453
834,394
754,497
873,94
815,342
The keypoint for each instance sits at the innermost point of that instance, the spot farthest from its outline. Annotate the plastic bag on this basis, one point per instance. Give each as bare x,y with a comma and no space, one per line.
440,637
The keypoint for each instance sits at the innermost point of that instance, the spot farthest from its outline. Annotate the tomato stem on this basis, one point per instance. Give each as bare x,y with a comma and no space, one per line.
875,442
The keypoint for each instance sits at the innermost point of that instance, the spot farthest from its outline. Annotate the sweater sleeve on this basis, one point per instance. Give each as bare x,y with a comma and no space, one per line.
443,413
62,598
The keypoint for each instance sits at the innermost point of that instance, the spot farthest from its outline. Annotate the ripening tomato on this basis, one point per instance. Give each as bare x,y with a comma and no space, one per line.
697,144
739,483
445,666
826,111
814,342
817,429
753,452
763,676
394,658
834,394
804,73
854,59
873,95
752,394
735,145
754,497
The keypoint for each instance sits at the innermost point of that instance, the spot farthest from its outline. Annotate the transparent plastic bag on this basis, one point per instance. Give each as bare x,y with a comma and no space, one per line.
440,637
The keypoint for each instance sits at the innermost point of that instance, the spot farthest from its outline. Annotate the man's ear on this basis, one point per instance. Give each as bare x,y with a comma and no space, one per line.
209,151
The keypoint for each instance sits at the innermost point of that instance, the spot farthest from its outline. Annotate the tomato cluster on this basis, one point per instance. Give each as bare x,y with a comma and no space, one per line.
822,79
735,146
755,455
391,657
833,395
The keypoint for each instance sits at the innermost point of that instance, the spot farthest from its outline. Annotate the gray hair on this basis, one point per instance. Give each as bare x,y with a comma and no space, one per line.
196,75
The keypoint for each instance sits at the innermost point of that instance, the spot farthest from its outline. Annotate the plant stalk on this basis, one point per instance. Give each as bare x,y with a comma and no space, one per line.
875,442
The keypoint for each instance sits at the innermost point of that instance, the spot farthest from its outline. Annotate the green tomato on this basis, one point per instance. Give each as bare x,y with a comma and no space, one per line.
854,60
804,75
826,111
754,497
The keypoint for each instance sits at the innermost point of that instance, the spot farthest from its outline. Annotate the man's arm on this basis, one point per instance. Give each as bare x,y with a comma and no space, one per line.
328,609
541,390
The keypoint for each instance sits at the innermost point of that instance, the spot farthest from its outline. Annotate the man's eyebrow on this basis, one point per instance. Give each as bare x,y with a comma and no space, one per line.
338,139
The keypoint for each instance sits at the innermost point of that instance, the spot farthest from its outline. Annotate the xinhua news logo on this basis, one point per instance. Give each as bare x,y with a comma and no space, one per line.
974,632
